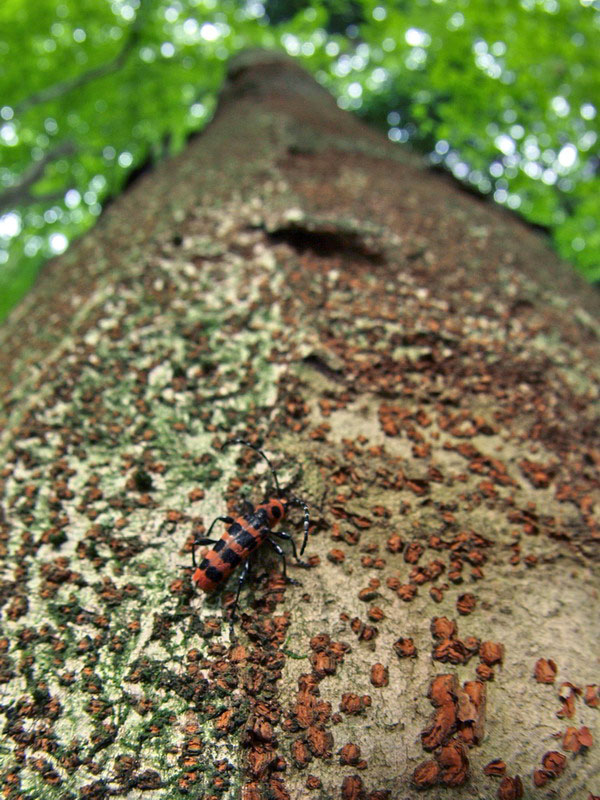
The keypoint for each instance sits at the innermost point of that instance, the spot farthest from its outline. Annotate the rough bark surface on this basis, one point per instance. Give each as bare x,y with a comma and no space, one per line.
421,369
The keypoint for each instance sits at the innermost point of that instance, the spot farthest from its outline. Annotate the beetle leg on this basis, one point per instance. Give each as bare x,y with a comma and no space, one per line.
241,580
278,550
228,520
289,538
206,539
197,542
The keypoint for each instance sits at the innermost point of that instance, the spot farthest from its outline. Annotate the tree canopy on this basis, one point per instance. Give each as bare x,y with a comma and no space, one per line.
94,91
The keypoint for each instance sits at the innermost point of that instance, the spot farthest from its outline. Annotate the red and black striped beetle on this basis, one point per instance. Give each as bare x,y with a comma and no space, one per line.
244,535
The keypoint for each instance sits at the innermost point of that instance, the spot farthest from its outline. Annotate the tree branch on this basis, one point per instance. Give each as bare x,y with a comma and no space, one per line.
64,87
20,193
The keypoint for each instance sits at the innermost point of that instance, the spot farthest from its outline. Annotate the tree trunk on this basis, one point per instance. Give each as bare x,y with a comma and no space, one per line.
419,367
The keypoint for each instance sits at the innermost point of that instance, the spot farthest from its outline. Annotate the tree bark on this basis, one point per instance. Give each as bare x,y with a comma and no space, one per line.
419,367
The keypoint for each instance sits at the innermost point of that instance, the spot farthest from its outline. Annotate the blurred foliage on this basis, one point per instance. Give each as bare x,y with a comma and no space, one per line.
501,94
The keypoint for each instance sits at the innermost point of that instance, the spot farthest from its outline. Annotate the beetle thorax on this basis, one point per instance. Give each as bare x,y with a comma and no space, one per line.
274,509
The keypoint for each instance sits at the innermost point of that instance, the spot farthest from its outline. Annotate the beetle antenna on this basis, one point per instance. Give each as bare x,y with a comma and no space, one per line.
297,502
260,452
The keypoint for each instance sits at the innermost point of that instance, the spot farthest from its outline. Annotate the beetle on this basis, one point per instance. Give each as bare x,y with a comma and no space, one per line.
245,534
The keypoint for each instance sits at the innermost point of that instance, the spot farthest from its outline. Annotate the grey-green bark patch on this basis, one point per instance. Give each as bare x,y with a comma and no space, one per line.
126,409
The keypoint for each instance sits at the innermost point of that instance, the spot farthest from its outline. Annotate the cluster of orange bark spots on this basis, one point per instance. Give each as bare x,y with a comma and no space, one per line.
545,670
566,694
575,739
310,718
553,765
379,675
495,768
263,762
404,647
363,631
510,788
591,695
457,724
448,647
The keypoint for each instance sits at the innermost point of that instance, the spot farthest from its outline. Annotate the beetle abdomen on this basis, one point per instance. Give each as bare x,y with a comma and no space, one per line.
235,546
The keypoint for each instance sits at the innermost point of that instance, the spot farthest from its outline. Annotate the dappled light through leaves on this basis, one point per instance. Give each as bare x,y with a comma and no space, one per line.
93,94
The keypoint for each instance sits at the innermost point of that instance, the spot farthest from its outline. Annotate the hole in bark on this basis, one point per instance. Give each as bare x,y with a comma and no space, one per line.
326,243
